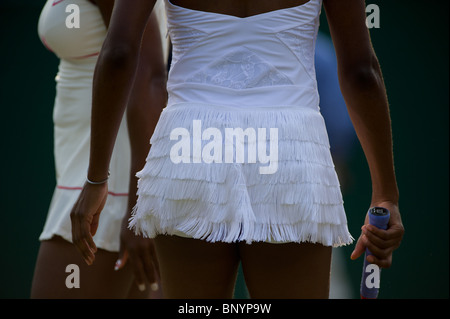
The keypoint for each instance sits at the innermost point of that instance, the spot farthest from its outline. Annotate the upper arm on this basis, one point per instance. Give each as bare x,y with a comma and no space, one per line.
126,27
351,38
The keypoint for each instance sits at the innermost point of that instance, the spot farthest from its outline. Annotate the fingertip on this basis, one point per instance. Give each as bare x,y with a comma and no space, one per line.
89,256
118,264
371,259
93,246
141,287
154,286
89,260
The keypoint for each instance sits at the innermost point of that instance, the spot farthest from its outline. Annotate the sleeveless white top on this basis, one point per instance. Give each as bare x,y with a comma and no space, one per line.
78,50
248,73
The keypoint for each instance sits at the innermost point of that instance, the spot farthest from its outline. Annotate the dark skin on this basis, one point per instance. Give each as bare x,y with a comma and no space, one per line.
238,8
209,269
108,278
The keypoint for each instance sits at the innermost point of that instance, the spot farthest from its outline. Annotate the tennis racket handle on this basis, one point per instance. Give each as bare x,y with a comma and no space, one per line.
370,280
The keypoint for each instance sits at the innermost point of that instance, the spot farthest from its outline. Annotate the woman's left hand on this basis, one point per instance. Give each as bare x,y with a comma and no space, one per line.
381,243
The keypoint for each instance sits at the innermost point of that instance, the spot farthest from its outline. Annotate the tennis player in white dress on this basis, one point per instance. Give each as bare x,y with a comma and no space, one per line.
77,45
240,168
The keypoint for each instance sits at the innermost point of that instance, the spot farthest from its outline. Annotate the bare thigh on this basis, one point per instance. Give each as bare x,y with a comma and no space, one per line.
96,281
286,270
193,268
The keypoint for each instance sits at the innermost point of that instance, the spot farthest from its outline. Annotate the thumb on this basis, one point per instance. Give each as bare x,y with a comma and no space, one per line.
359,249
122,260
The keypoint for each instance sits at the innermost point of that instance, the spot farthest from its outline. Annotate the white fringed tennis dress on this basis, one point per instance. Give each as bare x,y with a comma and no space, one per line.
78,49
241,151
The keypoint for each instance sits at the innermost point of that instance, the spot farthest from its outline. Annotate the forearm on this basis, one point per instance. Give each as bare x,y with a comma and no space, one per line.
110,90
146,101
365,94
143,112
113,80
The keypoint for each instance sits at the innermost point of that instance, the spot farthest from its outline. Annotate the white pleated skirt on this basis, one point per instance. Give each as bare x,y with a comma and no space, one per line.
229,174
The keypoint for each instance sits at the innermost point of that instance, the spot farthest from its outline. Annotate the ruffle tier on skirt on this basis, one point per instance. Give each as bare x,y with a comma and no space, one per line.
295,198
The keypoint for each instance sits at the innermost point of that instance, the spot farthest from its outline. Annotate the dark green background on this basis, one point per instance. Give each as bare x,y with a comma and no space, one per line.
412,46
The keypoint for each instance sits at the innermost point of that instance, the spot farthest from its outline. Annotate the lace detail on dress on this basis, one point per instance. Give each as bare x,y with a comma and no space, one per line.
300,41
183,38
241,69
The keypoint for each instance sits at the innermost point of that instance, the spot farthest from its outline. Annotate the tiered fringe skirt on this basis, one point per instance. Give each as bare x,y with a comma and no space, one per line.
181,190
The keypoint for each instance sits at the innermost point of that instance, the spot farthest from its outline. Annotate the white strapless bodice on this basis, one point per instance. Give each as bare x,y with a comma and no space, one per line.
264,59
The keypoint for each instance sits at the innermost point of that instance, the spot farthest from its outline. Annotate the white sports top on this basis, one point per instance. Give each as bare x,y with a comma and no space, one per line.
72,43
261,60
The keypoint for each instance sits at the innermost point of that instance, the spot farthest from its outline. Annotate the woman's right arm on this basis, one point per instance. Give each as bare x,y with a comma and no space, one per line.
362,86
115,70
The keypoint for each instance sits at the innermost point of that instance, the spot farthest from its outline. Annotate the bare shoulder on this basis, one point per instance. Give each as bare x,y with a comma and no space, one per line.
351,37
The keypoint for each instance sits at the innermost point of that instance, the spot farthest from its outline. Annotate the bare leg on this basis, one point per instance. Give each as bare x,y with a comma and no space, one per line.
192,268
96,281
286,270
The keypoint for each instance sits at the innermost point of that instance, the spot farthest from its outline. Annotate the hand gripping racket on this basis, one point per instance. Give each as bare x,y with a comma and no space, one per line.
370,280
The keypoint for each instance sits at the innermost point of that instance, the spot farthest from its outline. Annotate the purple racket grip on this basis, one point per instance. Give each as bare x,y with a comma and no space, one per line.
370,280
